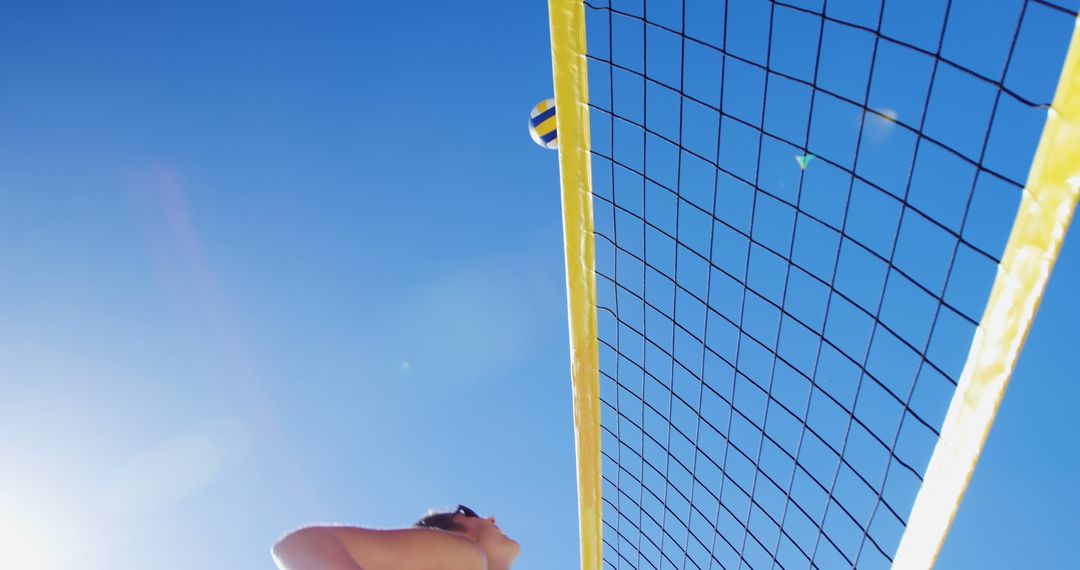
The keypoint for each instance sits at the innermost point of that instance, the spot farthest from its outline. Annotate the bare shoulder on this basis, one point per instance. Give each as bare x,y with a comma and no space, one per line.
398,549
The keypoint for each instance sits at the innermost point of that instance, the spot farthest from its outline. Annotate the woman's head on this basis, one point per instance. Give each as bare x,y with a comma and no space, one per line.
483,531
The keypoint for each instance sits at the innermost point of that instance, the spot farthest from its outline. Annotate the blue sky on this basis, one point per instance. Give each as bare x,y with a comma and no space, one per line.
266,266
274,265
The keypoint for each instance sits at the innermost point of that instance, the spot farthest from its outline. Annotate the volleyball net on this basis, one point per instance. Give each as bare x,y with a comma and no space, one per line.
805,241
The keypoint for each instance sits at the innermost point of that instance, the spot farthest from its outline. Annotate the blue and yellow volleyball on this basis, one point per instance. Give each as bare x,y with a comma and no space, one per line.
542,124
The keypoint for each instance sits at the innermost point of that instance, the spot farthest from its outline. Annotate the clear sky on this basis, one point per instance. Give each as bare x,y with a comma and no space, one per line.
270,265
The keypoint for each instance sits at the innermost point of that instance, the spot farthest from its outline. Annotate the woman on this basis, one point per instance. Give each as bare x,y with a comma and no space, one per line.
457,540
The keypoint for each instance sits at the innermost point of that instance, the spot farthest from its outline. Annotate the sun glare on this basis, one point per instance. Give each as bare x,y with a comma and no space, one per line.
21,546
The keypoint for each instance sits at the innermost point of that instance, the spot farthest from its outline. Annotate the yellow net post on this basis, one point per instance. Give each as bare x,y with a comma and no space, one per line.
567,20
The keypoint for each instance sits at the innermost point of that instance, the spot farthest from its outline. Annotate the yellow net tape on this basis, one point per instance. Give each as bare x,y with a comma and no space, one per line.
1045,211
567,19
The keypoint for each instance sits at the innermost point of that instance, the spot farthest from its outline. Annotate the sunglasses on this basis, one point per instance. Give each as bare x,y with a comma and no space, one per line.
466,512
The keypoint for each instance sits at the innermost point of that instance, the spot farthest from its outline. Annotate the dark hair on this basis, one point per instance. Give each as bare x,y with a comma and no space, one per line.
445,521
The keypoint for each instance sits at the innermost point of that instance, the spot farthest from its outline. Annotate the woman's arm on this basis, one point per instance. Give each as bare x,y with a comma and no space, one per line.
313,548
351,548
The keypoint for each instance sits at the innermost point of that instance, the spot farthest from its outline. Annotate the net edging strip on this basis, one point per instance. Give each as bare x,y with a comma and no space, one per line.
1042,220
569,71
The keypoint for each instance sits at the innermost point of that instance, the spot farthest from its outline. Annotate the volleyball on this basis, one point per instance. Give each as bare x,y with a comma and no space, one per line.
542,124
